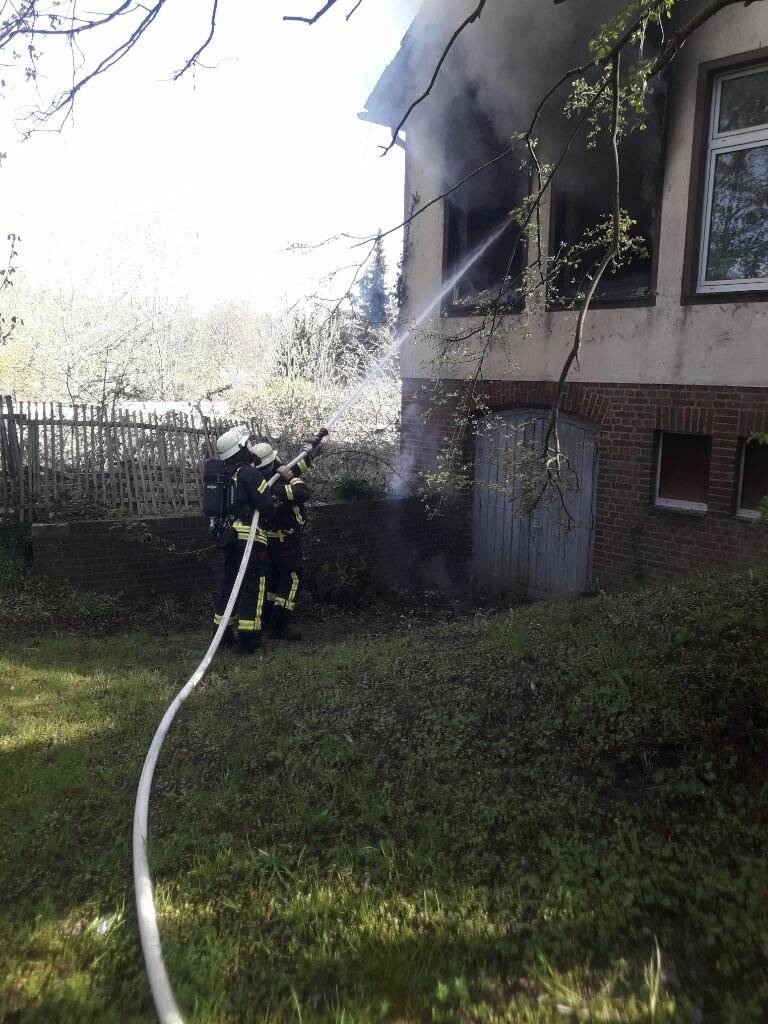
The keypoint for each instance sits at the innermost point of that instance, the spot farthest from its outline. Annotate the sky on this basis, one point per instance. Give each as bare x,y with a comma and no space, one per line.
192,190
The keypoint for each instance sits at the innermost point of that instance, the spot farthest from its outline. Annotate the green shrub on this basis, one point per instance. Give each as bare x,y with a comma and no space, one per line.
358,489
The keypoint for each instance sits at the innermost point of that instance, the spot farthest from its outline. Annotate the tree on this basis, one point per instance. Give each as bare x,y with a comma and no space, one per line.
373,295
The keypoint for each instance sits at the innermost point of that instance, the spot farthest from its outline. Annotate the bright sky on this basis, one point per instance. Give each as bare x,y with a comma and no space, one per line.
191,189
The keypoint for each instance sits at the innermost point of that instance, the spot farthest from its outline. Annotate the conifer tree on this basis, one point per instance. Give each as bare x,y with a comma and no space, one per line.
373,297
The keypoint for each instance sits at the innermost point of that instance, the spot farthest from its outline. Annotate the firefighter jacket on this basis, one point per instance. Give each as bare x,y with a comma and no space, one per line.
251,495
289,516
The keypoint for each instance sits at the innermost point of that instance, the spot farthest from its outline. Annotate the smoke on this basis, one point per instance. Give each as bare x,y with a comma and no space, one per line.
413,430
504,63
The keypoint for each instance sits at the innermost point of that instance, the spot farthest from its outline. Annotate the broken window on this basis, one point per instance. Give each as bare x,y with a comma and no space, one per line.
753,482
478,209
682,471
582,201
734,235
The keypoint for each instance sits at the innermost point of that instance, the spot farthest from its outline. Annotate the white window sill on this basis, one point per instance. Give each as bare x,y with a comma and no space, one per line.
749,515
726,288
689,508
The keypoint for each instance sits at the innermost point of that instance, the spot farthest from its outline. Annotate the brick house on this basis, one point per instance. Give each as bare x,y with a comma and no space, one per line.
673,377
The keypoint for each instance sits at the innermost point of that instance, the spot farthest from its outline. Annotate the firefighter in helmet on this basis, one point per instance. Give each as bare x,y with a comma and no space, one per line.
286,565
249,464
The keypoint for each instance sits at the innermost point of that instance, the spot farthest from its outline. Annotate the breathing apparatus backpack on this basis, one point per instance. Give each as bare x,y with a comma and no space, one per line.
216,500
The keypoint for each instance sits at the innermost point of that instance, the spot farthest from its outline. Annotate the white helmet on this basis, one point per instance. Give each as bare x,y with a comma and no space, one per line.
238,438
232,441
265,454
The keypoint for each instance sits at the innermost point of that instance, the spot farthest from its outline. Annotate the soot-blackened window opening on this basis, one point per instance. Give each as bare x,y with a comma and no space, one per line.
582,201
478,209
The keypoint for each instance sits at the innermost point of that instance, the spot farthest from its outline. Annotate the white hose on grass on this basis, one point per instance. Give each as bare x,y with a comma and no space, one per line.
162,993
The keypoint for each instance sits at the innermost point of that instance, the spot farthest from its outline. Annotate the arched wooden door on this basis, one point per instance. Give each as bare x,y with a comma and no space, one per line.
547,552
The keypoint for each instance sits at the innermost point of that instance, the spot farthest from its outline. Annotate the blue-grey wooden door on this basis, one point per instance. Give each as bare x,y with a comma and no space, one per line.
548,551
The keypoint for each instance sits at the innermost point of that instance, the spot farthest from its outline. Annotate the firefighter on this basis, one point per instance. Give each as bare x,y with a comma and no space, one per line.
286,565
248,465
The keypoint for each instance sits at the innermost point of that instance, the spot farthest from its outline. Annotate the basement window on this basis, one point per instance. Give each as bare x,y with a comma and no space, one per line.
682,472
753,478
734,231
478,209
582,202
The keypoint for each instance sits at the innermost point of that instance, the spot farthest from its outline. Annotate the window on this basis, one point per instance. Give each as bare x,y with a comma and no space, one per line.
753,478
471,220
582,199
734,234
682,472
479,208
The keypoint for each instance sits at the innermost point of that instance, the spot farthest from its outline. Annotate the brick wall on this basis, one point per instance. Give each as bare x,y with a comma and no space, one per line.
391,539
633,540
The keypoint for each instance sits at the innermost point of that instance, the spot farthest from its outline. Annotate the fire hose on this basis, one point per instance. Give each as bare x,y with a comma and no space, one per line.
162,993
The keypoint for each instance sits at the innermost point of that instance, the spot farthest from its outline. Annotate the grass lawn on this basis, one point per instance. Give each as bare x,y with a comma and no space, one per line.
558,812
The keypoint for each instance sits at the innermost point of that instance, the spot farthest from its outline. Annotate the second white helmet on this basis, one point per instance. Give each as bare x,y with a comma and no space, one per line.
236,438
264,453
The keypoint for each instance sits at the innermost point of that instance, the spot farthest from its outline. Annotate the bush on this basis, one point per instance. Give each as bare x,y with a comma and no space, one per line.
15,555
343,584
356,489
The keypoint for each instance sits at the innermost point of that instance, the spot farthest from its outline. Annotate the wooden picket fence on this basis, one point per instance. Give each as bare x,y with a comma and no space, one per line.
85,461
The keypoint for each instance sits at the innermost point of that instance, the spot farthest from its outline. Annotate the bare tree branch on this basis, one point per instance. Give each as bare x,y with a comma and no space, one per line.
315,17
611,253
677,39
25,23
67,98
203,46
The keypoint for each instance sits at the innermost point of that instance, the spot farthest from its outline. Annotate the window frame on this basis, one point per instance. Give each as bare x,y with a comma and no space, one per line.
718,143
618,301
709,72
677,504
452,308
750,514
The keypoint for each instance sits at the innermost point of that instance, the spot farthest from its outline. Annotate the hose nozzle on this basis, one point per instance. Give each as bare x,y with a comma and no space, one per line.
313,443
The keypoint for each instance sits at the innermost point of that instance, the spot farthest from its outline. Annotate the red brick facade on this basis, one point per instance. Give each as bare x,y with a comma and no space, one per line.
633,540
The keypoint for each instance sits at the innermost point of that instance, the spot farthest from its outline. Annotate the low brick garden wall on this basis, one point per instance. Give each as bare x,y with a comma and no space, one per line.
391,540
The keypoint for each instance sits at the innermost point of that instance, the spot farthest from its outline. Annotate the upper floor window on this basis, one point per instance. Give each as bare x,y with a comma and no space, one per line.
581,201
473,215
733,255
485,274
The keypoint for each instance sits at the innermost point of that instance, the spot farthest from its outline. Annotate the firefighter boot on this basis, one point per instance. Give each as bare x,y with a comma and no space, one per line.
250,643
229,639
280,625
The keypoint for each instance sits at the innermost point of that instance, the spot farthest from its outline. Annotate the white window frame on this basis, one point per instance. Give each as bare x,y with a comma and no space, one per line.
726,142
674,503
744,513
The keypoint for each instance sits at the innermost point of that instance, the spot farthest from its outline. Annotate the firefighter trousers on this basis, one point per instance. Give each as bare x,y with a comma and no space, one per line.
284,587
249,608
284,582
